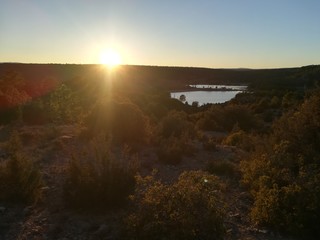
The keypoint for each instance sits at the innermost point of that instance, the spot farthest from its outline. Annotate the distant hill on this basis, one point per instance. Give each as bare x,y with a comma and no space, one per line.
169,77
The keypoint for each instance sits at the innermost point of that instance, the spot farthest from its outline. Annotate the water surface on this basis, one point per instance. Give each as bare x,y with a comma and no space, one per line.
206,96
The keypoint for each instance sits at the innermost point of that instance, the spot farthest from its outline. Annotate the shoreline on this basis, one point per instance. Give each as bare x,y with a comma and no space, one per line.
193,89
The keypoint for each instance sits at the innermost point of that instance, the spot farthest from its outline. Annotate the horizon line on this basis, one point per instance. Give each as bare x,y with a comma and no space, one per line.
172,66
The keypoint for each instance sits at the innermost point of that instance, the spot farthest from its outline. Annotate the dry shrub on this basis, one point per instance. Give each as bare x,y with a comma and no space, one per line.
240,139
172,149
221,167
187,209
284,199
176,124
210,144
97,179
219,118
123,120
284,177
173,137
20,177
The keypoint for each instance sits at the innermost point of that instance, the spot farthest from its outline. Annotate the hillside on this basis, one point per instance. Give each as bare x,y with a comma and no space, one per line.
169,77
87,153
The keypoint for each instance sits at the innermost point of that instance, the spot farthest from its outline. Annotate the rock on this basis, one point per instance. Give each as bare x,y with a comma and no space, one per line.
27,210
2,209
3,154
263,231
255,230
103,230
85,226
54,230
45,190
66,137
236,215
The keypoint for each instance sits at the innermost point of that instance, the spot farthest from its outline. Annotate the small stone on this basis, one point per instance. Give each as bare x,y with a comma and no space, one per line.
66,137
102,230
263,231
251,229
236,215
27,210
45,188
2,209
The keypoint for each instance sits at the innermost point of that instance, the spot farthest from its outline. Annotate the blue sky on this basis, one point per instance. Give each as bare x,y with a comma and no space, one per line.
212,33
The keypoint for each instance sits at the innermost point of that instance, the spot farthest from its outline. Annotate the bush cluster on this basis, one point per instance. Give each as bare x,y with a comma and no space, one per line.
175,124
284,178
99,180
172,149
219,118
173,137
124,121
190,208
240,139
20,177
32,103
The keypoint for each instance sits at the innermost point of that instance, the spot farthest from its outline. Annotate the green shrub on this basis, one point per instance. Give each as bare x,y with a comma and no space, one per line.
97,179
20,177
188,209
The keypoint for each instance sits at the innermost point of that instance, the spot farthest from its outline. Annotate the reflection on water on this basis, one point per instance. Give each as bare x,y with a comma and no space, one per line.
204,97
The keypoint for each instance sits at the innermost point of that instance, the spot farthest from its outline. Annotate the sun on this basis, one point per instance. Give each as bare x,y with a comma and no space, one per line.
110,58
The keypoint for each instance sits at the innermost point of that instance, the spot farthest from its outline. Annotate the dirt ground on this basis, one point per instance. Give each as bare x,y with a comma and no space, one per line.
50,219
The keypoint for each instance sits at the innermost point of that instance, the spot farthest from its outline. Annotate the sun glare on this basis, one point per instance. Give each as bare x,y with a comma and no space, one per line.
110,58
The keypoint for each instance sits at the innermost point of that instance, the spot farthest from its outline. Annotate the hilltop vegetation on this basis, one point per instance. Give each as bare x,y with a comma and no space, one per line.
112,154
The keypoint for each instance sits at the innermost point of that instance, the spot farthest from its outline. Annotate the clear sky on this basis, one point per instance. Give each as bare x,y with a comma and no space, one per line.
211,33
